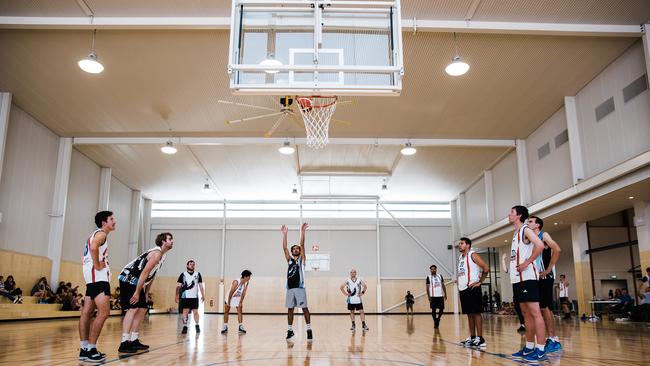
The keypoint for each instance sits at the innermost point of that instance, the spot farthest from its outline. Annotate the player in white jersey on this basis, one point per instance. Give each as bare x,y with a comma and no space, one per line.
98,289
236,296
136,279
546,265
563,287
524,275
437,293
189,284
353,288
472,271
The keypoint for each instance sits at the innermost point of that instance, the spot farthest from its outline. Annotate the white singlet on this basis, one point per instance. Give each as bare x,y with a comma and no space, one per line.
564,290
92,275
435,285
468,271
520,251
354,289
235,300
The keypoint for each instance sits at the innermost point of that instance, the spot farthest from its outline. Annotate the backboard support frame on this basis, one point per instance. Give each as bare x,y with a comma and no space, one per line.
314,15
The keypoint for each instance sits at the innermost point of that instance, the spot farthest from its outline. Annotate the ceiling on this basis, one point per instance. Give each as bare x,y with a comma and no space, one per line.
161,80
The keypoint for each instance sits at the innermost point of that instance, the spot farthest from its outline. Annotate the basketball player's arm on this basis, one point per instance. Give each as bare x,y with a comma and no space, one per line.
364,287
555,253
303,229
202,289
284,242
537,249
233,287
484,270
97,242
343,289
444,287
243,295
152,259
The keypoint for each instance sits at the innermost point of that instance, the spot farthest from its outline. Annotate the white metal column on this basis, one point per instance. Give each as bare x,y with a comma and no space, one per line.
105,175
646,49
146,225
522,173
380,304
462,215
489,195
59,200
455,235
5,109
575,141
134,225
222,293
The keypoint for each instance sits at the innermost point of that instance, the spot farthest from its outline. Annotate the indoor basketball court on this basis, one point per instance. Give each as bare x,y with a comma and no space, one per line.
324,182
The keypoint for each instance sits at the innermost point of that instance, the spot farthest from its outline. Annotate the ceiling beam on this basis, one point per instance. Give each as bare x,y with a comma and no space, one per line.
299,141
410,25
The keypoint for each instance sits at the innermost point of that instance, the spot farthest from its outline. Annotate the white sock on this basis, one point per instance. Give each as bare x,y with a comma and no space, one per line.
91,346
308,326
530,345
290,327
540,347
134,336
555,339
225,326
125,337
241,325
83,344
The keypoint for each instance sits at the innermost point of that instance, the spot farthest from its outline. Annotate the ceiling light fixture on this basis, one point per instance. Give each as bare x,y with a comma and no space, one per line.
457,66
294,190
384,188
408,149
286,148
270,61
555,223
206,186
90,63
169,148
630,198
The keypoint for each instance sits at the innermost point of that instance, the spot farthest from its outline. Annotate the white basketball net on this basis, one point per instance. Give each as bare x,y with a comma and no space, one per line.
317,112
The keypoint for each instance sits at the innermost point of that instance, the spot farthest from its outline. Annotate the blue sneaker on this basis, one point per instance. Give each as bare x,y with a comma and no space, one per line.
536,356
553,346
523,353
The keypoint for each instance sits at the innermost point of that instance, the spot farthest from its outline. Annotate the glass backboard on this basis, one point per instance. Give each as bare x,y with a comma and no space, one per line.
323,47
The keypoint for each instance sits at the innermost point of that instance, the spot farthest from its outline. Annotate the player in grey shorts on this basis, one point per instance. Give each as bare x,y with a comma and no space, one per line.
296,295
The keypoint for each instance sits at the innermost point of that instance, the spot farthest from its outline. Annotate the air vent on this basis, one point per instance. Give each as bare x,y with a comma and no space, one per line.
635,88
605,108
543,151
561,139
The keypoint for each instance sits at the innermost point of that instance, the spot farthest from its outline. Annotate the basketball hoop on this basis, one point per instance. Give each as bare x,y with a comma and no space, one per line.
317,111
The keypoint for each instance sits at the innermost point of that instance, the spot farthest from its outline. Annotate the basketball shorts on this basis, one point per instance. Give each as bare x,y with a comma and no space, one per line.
437,302
471,300
95,288
126,292
526,291
235,301
190,303
546,292
296,298
358,306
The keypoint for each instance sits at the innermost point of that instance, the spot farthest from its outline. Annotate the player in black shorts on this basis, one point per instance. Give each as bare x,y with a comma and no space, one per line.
546,265
136,279
190,283
437,292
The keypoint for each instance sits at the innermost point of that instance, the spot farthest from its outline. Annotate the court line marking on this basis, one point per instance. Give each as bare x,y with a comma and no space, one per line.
317,357
130,355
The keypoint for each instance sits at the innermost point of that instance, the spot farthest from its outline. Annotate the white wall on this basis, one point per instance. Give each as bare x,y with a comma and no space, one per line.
255,244
552,173
476,209
83,195
625,132
26,187
120,203
506,186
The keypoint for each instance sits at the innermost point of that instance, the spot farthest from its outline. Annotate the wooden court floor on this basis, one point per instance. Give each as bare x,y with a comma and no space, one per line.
392,340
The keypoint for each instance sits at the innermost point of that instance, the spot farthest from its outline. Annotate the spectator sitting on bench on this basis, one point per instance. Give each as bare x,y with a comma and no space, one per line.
10,286
5,293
